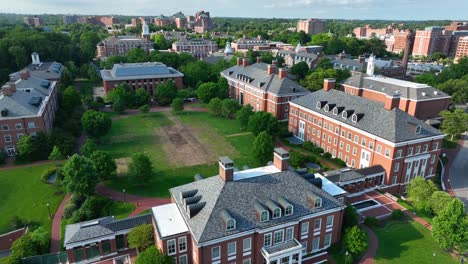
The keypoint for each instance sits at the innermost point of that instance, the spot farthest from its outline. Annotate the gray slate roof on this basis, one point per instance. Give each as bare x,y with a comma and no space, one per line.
124,40
46,70
346,63
345,175
391,86
88,230
239,198
148,70
271,83
393,125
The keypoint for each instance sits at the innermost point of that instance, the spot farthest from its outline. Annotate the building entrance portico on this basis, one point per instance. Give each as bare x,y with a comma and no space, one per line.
289,252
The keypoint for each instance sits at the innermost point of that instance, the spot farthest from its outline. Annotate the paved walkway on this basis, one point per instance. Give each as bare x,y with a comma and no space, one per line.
373,246
456,171
11,166
141,203
56,228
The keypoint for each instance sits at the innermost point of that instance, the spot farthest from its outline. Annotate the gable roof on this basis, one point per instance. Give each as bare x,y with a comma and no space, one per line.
146,70
258,74
393,125
344,175
241,198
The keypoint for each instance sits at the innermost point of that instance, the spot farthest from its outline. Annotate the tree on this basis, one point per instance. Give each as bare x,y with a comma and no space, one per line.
263,147
141,97
263,121
457,88
455,122
152,255
34,148
177,105
70,99
141,237
355,240
439,201
105,165
96,124
20,55
56,154
25,246
215,106
160,42
165,93
244,114
196,72
88,148
229,107
207,91
140,168
450,227
314,81
119,105
300,69
144,109
350,217
419,193
88,42
25,147
80,176
223,88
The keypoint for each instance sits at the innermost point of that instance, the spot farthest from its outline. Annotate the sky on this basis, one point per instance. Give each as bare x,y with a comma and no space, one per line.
330,9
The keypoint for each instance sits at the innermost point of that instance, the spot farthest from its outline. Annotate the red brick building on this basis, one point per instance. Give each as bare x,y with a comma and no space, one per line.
34,21
364,133
119,45
401,40
263,87
102,240
367,32
457,26
199,48
263,215
462,49
146,75
311,26
430,40
454,43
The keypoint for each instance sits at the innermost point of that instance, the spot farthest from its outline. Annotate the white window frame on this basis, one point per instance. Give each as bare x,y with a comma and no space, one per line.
318,202
304,228
332,217
171,244
327,240
230,224
319,220
316,244
397,167
18,126
270,240
7,138
31,125
248,242
274,237
5,127
213,257
275,213
230,247
262,219
182,257
182,241
289,233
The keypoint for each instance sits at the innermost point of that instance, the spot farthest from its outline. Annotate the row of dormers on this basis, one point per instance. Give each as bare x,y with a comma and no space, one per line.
336,110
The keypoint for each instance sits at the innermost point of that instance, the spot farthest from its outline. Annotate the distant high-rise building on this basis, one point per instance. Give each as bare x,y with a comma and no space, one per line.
202,22
34,21
457,26
367,32
456,36
462,49
430,40
69,19
311,26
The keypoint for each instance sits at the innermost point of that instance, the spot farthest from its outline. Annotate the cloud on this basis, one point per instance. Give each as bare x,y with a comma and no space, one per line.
312,3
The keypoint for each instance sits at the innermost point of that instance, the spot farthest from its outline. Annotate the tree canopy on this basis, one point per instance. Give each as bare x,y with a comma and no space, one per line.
140,168
420,191
141,237
263,121
80,176
262,148
455,122
450,227
96,124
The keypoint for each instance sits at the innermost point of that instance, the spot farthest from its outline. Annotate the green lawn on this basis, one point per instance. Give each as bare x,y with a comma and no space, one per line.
22,193
411,208
403,242
135,134
450,144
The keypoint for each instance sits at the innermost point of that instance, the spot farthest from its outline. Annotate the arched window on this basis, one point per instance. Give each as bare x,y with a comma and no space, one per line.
335,111
230,224
277,213
264,216
318,202
344,115
418,130
354,118
319,105
327,108
288,210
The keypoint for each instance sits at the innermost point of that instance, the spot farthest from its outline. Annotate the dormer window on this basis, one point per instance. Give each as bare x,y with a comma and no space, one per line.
288,210
318,202
277,213
231,224
319,105
354,118
344,115
327,108
418,130
335,111
264,216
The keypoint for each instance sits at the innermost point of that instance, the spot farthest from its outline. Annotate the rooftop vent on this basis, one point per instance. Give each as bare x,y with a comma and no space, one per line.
194,209
35,100
317,182
45,83
4,112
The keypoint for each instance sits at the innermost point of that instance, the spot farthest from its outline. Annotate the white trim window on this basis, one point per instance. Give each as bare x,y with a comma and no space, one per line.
182,244
232,248
397,167
436,146
394,180
171,247
247,261
288,210
304,247
267,240
305,228
5,128
215,253
387,152
399,153
230,224
31,125
247,244
317,224
316,244
327,240
277,213
433,159
183,259
7,138
318,202
264,216
19,126
278,237
289,233
330,219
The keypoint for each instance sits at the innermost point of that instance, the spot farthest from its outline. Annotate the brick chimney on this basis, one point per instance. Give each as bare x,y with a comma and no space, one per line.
245,62
341,55
8,89
280,159
226,169
259,59
25,74
282,73
361,59
239,61
274,62
392,101
329,84
271,69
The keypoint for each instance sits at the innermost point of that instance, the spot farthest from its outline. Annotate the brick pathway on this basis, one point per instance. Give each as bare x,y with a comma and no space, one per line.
372,249
57,220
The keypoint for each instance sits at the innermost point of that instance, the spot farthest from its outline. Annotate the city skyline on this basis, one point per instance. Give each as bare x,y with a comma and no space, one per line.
332,9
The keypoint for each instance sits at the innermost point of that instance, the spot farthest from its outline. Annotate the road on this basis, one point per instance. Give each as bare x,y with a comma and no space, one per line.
458,174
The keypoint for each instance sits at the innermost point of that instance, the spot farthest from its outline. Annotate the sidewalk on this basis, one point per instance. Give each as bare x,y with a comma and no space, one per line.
56,226
372,248
451,155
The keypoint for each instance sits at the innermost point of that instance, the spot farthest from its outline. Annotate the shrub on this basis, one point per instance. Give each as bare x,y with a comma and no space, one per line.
397,214
3,157
340,162
327,155
308,145
17,222
297,159
47,173
371,221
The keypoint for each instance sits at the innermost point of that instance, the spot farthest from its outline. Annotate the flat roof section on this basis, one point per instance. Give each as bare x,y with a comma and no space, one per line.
329,186
168,219
245,174
397,82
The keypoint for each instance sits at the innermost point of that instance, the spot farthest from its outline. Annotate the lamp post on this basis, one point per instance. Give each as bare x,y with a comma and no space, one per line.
123,194
433,257
48,210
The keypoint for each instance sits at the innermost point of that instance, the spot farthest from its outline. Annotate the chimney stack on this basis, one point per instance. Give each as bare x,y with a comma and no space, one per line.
239,61
226,169
283,73
25,74
8,89
280,159
35,58
329,84
361,59
271,69
245,62
392,101
341,55
274,62
259,59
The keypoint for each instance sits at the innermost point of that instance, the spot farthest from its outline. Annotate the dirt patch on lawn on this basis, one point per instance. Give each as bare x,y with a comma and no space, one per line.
122,166
181,146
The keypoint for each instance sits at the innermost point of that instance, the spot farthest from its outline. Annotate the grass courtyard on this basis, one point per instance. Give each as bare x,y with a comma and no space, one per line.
180,146
23,194
403,242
